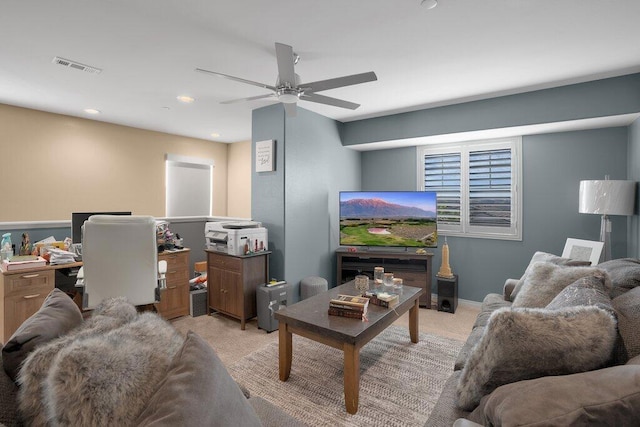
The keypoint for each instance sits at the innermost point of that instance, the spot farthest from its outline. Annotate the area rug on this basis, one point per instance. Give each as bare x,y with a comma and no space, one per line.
399,381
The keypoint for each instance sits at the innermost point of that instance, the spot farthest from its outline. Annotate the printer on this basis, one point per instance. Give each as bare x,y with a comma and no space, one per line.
235,237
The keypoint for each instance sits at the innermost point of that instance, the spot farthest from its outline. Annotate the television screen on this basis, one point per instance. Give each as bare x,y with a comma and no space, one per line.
78,219
388,218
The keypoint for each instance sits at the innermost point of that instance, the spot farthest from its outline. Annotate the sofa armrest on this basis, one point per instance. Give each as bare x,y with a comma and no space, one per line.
508,287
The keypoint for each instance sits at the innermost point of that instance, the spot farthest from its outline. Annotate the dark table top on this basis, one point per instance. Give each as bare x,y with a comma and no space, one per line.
312,315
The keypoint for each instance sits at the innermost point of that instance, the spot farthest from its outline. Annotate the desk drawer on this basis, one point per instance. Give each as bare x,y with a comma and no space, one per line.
225,262
175,260
177,276
24,284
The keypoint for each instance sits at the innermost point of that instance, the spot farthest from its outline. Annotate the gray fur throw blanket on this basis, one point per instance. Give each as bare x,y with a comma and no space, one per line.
102,373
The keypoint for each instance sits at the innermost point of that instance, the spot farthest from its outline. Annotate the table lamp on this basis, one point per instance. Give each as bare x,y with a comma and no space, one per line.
607,197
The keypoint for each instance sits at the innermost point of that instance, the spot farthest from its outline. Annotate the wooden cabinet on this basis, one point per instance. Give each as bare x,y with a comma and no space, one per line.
232,282
174,300
414,269
22,295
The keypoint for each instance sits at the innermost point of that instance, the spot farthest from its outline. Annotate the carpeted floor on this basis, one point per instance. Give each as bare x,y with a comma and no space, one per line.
399,383
224,335
233,345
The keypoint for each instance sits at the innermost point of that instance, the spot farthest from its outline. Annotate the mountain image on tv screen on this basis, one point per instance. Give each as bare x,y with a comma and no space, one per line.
388,218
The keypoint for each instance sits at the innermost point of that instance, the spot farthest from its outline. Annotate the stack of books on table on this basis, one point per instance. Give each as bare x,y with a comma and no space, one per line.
349,306
383,299
22,262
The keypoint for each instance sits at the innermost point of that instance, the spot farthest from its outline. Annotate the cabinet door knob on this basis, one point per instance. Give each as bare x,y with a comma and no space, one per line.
29,276
31,296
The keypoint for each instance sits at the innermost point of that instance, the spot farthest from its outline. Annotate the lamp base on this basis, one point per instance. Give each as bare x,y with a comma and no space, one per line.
605,236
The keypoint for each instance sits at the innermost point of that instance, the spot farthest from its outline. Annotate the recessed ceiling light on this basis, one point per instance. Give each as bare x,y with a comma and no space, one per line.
91,111
429,4
186,99
215,134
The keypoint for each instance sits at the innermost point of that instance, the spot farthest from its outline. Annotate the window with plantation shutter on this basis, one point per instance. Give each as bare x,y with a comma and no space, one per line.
442,174
478,186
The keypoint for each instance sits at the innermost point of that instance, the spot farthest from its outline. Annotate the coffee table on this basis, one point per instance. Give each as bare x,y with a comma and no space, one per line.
309,318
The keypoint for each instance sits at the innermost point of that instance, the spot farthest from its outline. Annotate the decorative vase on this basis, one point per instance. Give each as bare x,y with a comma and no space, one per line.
362,283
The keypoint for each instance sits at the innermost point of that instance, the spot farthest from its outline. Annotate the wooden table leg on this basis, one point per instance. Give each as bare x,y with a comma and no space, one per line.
413,322
351,377
285,347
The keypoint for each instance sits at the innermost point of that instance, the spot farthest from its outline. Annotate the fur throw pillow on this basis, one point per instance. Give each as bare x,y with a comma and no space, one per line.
522,344
588,290
545,257
624,273
545,281
102,373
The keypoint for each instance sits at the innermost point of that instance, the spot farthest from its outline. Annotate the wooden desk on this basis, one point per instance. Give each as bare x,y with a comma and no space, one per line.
22,293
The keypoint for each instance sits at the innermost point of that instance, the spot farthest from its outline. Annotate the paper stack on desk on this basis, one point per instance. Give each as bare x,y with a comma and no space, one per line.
59,256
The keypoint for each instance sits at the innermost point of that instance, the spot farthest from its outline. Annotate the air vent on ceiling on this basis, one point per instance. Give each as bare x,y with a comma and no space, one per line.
76,65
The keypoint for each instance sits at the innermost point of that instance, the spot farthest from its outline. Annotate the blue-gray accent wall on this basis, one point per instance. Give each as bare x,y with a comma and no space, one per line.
267,188
553,165
298,202
599,98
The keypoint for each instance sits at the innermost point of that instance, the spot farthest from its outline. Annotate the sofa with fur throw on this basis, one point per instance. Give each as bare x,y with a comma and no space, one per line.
560,346
118,367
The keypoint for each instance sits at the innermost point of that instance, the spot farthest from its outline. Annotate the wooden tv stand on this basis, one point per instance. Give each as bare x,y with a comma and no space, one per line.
413,268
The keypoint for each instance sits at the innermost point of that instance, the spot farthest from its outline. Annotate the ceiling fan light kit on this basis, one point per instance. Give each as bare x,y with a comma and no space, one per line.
288,96
288,88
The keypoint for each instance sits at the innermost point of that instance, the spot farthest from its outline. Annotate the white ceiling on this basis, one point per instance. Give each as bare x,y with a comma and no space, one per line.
148,49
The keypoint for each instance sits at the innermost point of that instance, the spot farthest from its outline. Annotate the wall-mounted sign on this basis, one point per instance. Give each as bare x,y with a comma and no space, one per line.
264,156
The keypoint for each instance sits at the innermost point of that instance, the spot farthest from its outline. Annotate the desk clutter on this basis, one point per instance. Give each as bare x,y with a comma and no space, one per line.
22,262
48,250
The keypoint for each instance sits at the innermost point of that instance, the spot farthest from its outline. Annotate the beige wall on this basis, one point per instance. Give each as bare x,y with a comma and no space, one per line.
52,165
239,176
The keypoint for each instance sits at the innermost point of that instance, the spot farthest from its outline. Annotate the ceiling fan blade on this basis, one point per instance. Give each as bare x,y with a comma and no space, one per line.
314,97
290,109
236,79
354,79
286,73
251,98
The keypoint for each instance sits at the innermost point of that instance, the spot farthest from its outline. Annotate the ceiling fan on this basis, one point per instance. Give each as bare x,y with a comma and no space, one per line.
289,89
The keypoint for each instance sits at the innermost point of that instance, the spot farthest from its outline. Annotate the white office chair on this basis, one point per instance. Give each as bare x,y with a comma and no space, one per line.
120,259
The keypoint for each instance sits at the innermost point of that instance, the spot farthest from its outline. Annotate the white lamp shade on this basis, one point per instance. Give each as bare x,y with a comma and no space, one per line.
607,197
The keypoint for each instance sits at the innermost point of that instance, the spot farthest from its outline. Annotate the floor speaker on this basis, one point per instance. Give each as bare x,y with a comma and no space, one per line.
448,294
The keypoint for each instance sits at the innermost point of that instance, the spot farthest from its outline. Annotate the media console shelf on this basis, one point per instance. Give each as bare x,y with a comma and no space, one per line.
413,268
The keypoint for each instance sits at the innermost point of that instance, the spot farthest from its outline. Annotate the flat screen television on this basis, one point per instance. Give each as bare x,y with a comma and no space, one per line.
388,218
78,219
